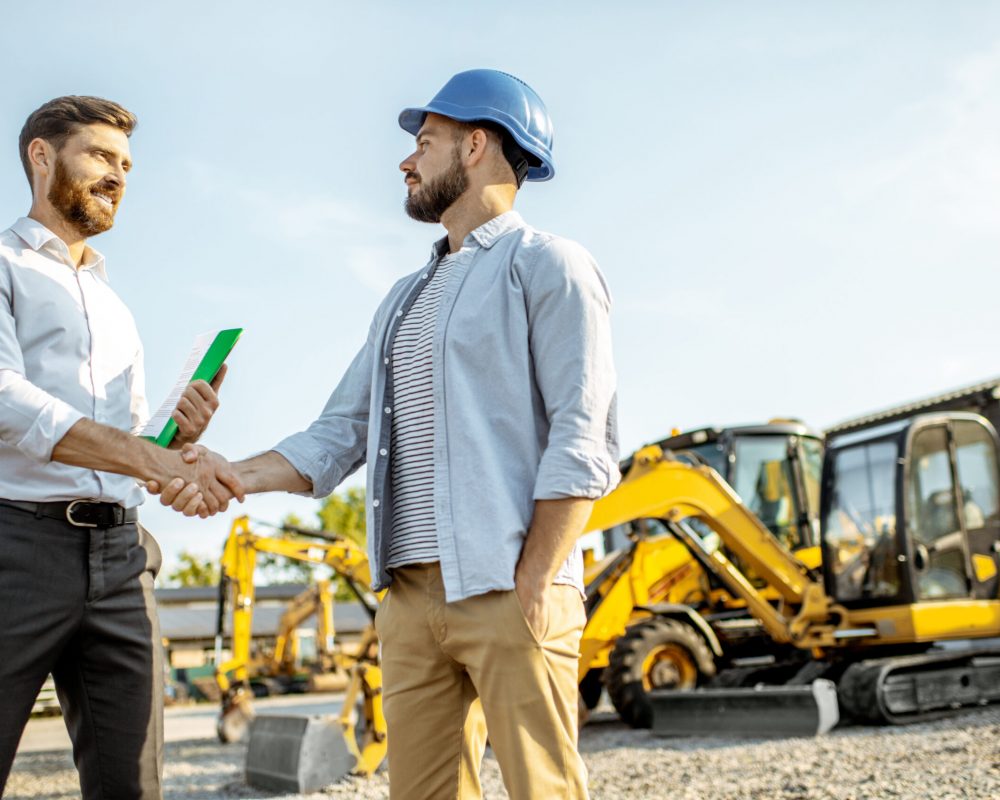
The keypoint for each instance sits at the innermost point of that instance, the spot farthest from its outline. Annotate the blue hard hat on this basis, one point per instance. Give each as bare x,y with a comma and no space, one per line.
494,96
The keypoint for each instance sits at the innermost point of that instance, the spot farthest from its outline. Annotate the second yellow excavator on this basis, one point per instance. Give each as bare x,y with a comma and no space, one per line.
897,612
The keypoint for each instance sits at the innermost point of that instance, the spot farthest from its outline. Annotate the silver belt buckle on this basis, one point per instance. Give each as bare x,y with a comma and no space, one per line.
69,515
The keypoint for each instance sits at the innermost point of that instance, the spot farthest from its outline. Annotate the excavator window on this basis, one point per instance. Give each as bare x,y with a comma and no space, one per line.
935,524
812,474
976,463
860,524
713,454
975,455
763,479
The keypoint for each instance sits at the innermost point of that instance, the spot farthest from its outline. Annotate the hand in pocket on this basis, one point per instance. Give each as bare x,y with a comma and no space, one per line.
534,607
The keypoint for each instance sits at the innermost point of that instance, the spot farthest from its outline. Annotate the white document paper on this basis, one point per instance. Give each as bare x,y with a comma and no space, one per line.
201,344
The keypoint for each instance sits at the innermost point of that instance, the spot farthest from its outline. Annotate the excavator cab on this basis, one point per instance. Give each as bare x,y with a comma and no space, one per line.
775,468
911,512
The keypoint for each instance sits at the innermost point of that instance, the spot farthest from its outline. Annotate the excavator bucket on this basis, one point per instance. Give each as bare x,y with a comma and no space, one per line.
297,754
306,753
236,716
760,711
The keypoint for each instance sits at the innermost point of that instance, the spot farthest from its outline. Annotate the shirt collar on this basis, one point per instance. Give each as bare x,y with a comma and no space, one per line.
486,235
39,238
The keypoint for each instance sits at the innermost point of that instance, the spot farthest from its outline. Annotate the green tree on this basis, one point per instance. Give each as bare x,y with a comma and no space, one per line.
345,514
194,570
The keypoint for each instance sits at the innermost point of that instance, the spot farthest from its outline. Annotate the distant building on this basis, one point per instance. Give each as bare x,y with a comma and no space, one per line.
189,620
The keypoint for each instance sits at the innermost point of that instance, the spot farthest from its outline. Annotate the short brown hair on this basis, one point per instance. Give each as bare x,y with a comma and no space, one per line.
58,119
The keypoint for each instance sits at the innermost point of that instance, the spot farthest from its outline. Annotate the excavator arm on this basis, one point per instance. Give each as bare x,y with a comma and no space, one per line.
676,492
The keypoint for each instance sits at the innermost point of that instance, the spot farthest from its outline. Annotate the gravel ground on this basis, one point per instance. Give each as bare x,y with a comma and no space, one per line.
944,760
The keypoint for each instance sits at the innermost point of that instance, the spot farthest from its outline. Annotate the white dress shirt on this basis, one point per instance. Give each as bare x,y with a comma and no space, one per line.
69,349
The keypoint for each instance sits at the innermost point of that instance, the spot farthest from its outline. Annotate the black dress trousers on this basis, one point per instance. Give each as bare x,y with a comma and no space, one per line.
78,602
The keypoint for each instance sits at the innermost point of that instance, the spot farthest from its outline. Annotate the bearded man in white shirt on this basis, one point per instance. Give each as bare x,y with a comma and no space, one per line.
76,570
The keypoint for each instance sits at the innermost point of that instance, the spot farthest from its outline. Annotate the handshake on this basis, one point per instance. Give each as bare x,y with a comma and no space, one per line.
192,479
196,481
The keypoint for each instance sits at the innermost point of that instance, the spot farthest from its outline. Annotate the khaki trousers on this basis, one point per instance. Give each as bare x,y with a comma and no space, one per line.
452,670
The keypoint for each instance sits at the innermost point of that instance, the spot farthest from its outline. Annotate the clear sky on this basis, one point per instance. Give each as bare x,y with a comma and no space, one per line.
796,204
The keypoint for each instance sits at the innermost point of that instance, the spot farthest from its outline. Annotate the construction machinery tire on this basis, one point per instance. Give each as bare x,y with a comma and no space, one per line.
591,688
657,653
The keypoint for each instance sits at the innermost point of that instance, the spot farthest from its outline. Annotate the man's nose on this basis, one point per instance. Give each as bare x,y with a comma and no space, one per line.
409,164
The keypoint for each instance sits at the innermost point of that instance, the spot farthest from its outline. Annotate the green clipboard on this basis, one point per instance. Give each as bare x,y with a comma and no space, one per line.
205,370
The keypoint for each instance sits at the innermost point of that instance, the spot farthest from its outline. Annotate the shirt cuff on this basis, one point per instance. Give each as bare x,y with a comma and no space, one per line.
52,424
311,461
566,472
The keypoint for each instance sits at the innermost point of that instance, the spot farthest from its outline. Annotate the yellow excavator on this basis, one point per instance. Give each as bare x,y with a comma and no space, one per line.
361,719
896,614
632,649
293,665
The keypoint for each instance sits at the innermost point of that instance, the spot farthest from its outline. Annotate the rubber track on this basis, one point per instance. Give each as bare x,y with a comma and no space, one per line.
960,678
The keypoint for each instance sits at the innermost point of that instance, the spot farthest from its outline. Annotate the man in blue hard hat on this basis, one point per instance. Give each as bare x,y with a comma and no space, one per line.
483,402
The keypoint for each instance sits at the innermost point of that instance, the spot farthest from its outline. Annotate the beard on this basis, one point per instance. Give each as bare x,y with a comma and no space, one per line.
75,202
430,200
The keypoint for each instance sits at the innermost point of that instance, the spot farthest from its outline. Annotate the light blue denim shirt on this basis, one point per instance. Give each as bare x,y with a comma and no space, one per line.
524,403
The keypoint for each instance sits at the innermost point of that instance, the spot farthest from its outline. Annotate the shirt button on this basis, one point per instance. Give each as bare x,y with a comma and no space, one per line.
385,360
423,277
383,452
399,313
388,410
375,503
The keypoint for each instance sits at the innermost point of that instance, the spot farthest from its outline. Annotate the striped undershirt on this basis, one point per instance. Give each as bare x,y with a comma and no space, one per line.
414,535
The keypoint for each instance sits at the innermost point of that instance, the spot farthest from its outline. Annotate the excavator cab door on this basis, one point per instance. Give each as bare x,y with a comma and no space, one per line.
940,552
952,508
862,560
976,466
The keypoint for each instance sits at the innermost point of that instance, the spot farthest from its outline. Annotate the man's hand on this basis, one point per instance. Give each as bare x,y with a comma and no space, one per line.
555,527
205,484
534,604
194,410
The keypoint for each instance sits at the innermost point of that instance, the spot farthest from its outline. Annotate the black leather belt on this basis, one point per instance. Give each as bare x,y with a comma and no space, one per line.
81,513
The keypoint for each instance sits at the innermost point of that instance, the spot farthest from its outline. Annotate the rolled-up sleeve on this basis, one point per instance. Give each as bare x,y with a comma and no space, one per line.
334,446
31,419
570,338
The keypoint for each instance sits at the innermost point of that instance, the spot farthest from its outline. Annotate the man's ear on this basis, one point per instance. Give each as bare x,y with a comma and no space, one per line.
42,157
476,146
